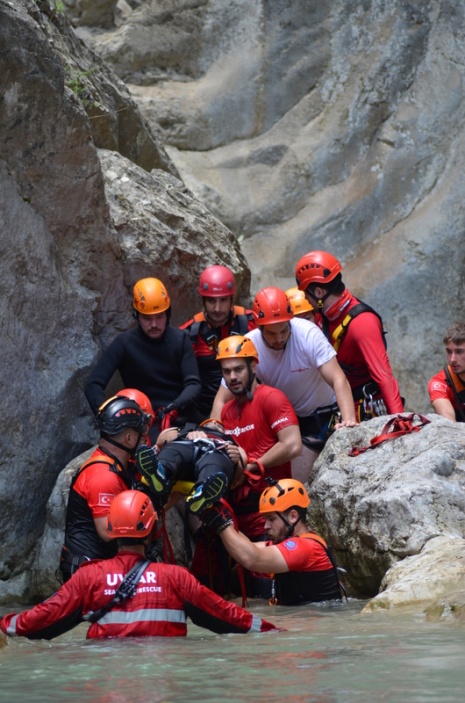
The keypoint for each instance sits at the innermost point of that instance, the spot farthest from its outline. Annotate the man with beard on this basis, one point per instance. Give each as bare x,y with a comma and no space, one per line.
152,357
264,425
295,357
301,564
219,319
356,332
108,472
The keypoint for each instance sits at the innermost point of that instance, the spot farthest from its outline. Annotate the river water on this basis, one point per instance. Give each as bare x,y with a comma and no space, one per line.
327,654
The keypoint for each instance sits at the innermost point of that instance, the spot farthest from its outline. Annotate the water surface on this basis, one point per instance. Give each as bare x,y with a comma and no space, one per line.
326,655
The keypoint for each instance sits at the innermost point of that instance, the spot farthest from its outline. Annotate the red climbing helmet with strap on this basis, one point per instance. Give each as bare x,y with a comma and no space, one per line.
316,267
131,514
271,305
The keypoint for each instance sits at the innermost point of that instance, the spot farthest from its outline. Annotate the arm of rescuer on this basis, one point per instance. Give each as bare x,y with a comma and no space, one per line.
336,378
288,446
365,332
254,556
443,406
101,527
438,391
207,609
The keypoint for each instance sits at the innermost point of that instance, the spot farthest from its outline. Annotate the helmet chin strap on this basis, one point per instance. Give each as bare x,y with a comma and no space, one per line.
290,527
319,301
129,451
249,393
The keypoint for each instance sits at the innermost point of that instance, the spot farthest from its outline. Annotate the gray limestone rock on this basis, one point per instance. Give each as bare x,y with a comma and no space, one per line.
71,251
386,504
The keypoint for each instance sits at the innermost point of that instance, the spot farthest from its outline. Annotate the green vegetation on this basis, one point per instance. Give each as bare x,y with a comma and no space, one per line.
76,80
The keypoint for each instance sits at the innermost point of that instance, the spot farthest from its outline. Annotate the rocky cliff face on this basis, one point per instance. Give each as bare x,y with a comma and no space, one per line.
318,124
301,125
90,202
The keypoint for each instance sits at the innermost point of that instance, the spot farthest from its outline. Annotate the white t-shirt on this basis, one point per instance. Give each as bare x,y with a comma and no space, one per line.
294,370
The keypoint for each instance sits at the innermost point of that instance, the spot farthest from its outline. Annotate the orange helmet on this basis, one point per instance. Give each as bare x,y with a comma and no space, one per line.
271,305
236,347
140,398
316,267
217,282
282,495
131,514
298,301
150,296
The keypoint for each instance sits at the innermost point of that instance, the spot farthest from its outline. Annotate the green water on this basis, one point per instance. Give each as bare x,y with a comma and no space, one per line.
326,655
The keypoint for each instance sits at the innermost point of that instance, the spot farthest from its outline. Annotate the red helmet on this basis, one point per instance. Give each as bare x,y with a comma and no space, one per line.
217,282
282,495
140,398
131,514
271,305
316,267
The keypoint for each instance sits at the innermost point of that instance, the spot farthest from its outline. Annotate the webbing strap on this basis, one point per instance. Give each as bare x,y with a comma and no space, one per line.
254,479
451,383
126,589
397,426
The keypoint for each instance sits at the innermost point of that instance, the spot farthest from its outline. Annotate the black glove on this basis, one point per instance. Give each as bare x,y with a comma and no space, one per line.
218,517
161,413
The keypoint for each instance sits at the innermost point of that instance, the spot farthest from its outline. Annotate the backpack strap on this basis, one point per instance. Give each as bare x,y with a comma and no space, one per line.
200,326
105,459
340,331
126,589
395,427
460,412
331,557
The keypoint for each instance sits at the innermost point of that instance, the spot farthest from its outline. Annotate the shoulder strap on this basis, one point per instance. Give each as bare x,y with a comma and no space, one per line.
194,329
240,323
93,460
126,589
395,427
101,460
331,557
315,537
451,383
340,331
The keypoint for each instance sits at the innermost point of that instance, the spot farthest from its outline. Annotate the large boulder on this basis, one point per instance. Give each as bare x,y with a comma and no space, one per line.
390,502
90,202
428,582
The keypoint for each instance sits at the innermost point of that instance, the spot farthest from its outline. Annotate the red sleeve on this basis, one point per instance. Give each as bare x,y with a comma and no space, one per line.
98,486
209,610
365,332
438,388
60,613
304,554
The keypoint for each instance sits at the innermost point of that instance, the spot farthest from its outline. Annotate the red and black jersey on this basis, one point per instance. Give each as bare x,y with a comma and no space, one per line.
205,339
